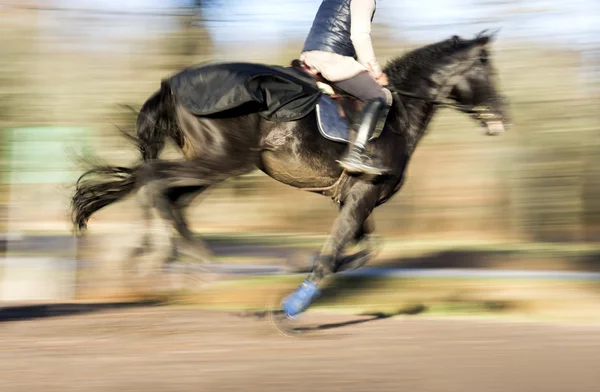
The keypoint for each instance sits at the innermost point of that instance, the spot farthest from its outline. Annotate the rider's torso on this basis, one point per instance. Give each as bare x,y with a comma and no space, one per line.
330,31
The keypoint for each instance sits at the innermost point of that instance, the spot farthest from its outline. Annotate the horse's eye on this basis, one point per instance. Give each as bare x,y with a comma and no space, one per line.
483,59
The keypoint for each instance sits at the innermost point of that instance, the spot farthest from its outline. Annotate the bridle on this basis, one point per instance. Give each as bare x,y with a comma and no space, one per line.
480,111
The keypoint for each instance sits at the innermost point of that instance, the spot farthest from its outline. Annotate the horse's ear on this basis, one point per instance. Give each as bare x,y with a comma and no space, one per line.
482,41
485,38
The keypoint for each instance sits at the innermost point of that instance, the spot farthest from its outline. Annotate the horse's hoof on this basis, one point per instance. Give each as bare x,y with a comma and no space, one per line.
284,325
298,301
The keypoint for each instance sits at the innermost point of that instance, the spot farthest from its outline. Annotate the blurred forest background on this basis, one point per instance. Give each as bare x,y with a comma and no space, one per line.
65,65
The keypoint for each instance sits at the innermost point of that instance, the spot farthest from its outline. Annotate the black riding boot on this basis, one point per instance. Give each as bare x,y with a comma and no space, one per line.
371,121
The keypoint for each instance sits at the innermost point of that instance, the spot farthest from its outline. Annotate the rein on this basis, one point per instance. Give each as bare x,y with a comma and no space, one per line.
300,64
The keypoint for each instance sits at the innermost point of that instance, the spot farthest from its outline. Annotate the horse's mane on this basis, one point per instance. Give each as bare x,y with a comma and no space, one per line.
404,69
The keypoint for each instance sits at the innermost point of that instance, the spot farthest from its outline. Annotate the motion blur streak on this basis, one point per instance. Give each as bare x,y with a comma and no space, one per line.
526,202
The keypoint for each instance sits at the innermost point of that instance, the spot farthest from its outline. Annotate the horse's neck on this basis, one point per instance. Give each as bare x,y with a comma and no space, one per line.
419,112
415,117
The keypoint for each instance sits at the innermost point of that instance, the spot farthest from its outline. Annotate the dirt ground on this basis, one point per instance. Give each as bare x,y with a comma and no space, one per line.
182,349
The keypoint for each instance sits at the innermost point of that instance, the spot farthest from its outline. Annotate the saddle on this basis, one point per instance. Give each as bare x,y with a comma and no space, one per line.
348,106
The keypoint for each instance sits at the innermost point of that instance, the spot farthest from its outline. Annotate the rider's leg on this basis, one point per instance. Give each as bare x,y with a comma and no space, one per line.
377,101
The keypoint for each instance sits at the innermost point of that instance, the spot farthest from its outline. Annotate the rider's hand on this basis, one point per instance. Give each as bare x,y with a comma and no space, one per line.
382,80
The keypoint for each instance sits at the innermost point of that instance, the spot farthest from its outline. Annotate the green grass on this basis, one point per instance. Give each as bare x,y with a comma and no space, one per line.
313,242
569,301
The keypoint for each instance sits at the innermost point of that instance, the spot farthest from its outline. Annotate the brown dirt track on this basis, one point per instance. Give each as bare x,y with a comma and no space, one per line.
176,349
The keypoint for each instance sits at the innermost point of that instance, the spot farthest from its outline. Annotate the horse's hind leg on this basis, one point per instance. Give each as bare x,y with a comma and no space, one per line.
349,225
173,185
177,200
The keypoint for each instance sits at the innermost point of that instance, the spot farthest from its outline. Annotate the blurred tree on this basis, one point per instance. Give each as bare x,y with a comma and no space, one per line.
191,42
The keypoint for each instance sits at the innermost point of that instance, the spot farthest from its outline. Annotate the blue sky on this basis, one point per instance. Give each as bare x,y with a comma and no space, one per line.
564,22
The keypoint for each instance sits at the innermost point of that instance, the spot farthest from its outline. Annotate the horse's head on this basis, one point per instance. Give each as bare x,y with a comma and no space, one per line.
472,86
457,72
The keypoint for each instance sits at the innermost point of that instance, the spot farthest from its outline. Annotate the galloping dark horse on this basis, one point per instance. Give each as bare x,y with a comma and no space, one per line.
455,72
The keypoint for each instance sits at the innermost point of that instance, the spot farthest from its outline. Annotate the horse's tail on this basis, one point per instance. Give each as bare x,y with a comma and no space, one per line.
93,194
155,123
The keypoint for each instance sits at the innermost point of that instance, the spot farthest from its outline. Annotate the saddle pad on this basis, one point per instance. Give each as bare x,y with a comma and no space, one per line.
330,123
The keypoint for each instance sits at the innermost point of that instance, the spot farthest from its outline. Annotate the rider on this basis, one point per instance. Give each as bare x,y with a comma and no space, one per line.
339,47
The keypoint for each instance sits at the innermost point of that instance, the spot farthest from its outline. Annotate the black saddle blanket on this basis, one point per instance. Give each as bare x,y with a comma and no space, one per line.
277,93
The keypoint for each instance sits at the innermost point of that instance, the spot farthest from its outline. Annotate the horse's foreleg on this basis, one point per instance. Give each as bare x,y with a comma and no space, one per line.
349,225
369,248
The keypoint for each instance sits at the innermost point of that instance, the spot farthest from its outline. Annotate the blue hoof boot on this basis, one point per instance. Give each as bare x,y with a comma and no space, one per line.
299,300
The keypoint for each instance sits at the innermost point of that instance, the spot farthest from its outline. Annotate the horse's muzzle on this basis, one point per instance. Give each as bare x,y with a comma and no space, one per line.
493,115
494,127
492,121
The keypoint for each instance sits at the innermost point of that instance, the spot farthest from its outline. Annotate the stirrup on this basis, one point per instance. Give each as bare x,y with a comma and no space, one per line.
358,163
